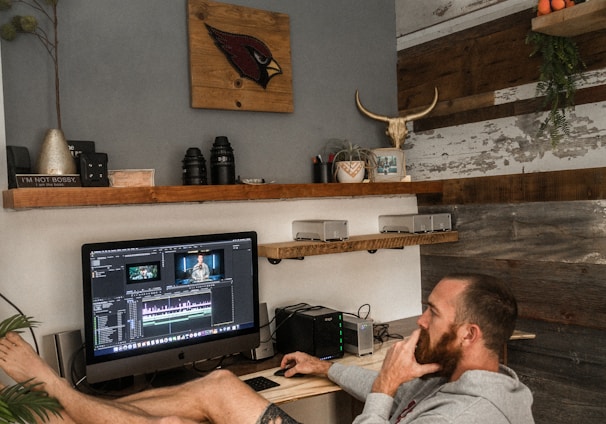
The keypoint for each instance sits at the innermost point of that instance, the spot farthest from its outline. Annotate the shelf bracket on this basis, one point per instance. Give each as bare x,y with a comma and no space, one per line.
275,261
393,248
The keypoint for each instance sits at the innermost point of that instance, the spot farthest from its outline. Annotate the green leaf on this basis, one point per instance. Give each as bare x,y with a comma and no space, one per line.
8,32
558,80
16,323
21,404
5,4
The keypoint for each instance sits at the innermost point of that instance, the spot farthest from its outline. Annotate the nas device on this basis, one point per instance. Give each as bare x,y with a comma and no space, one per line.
320,229
404,223
441,222
316,330
358,337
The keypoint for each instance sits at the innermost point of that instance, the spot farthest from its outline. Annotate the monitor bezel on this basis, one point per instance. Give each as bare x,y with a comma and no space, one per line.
159,358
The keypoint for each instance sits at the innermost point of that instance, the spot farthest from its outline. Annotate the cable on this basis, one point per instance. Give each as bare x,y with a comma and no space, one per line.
31,330
367,312
381,333
302,307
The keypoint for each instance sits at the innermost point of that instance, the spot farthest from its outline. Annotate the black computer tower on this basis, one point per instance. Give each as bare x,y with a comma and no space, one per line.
316,330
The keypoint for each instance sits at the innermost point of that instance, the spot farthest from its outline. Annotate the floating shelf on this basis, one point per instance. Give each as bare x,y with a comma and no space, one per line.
576,20
28,198
275,252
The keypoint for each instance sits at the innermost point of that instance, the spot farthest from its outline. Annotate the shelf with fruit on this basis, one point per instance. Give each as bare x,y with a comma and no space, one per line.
567,18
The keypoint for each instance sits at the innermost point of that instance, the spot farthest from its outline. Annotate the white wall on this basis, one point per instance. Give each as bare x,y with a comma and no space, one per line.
40,257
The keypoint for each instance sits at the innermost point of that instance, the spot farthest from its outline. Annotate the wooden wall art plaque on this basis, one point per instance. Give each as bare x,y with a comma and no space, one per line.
239,58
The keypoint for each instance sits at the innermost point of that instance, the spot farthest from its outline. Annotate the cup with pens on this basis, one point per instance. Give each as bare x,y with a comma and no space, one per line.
322,170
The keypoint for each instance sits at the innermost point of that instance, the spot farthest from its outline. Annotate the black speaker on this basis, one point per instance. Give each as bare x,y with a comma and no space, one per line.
18,162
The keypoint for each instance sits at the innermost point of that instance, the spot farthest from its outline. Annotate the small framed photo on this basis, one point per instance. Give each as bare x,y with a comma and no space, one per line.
391,165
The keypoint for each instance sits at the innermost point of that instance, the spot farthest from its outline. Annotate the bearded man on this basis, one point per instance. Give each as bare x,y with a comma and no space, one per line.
446,372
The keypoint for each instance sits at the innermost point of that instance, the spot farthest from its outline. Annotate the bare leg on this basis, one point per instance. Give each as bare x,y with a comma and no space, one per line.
21,363
220,397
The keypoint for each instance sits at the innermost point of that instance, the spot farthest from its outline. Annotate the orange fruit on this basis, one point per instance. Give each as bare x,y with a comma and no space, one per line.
558,4
544,7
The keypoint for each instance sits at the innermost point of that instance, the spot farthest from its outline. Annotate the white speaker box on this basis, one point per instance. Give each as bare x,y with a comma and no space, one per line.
65,353
266,348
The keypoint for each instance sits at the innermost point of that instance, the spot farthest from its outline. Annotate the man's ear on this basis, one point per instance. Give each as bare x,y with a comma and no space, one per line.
471,333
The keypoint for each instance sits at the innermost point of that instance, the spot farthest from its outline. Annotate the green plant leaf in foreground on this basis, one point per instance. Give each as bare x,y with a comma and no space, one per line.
21,404
16,323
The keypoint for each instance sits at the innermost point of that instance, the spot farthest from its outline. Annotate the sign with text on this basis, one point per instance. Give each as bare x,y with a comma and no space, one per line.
46,180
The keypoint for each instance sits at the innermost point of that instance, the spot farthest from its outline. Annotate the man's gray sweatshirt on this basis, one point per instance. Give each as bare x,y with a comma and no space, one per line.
477,397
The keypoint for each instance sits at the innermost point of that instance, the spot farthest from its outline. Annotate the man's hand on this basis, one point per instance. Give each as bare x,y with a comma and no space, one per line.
400,366
302,363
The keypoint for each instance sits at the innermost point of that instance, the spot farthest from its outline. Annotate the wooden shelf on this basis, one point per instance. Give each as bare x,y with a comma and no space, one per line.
275,252
579,19
27,198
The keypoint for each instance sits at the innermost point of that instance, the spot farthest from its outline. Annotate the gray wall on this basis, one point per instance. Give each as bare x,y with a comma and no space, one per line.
125,85
125,79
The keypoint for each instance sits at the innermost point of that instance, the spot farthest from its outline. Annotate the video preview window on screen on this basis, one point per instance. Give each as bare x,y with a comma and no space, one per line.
148,298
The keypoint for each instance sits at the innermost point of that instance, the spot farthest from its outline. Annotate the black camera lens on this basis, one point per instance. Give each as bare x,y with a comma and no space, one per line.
222,164
194,167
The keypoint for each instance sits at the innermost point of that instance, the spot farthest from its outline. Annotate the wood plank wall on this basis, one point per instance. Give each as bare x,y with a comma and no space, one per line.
469,67
545,234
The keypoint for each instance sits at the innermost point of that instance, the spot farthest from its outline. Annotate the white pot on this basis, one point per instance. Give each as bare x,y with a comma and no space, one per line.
350,172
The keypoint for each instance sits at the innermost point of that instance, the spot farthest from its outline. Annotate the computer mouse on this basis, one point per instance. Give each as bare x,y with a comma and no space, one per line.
281,371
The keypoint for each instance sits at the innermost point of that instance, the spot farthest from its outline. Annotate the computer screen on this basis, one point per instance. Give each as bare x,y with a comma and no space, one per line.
156,304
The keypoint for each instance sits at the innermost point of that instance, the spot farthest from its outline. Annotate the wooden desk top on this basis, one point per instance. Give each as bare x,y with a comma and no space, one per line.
292,389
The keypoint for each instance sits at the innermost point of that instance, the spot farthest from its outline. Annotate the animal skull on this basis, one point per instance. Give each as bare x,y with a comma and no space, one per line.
396,127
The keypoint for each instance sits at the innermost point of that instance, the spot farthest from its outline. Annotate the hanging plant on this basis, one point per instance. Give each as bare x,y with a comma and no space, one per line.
559,76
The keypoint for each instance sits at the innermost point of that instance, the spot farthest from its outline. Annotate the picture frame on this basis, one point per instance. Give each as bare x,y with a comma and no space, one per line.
239,58
391,165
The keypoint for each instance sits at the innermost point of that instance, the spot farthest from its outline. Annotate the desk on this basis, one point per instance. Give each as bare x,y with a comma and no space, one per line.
292,389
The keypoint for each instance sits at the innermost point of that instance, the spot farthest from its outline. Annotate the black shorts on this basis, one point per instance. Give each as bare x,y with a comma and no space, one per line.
271,415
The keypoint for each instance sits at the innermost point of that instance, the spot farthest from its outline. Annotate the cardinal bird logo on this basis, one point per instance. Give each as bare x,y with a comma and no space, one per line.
249,56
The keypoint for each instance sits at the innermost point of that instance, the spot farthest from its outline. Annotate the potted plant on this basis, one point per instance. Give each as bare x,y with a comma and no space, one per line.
350,161
22,402
559,76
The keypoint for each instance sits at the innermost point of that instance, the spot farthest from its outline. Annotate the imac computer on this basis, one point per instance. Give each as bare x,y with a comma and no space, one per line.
157,304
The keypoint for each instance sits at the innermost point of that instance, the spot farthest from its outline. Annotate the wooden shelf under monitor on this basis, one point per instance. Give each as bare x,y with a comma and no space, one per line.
576,20
28,198
275,252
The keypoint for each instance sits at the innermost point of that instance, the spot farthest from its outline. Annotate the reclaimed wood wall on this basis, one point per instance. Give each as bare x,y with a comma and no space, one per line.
545,234
486,72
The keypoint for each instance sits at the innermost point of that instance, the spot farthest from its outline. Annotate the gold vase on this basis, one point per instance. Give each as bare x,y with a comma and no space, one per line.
55,157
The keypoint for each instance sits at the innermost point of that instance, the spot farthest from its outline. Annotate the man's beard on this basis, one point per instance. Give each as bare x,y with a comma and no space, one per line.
443,353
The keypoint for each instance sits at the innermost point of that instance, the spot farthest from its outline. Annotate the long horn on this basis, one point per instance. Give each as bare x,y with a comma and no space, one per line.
418,115
368,113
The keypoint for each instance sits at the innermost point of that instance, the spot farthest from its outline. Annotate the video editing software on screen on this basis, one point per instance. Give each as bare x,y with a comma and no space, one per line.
144,297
